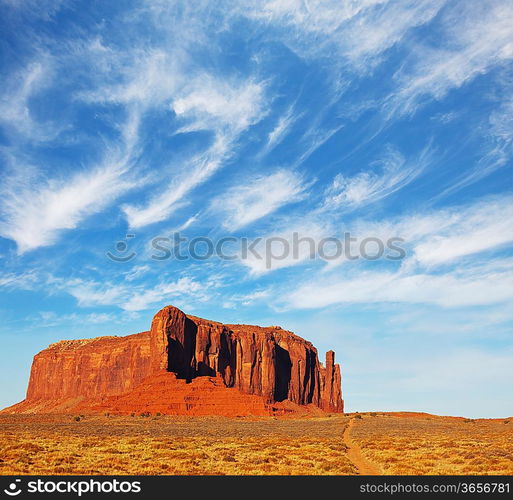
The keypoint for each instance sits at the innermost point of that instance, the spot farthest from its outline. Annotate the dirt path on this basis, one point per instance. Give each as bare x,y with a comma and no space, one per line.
354,452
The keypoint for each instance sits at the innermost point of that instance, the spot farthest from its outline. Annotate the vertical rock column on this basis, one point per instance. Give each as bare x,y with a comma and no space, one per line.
331,398
167,328
268,369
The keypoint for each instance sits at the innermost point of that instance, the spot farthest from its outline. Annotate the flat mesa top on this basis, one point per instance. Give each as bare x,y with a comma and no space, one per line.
274,331
68,345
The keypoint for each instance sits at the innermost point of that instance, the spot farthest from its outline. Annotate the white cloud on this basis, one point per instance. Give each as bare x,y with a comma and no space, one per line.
90,293
46,319
498,150
257,197
20,88
478,36
36,208
472,287
439,247
132,297
25,280
168,77
501,123
446,265
391,173
207,104
184,287
136,272
196,171
358,31
438,237
34,212
253,297
381,27
281,129
45,9
14,107
473,230
210,103
315,16
143,78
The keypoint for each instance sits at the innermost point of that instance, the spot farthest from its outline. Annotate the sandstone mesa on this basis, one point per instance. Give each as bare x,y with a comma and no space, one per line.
185,366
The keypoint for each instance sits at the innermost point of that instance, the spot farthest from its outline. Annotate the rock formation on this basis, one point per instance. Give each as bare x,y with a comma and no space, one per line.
185,365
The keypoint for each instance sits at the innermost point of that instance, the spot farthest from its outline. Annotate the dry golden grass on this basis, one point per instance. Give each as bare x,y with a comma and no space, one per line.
430,445
407,444
172,445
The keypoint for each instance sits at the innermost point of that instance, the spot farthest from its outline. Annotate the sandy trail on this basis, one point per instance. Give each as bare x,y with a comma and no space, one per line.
364,466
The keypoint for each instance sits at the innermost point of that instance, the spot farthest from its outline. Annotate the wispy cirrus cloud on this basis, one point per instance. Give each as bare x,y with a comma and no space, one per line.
167,77
196,171
477,38
16,117
131,297
458,288
35,213
201,101
37,8
258,197
24,280
497,150
474,229
387,175
433,240
143,77
35,208
140,80
47,319
454,259
444,236
357,32
213,105
282,127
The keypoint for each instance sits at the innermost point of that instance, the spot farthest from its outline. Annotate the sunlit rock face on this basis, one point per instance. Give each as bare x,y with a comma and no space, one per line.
185,365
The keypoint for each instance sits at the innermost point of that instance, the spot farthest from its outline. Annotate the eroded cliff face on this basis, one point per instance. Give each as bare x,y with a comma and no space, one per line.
101,366
272,365
270,362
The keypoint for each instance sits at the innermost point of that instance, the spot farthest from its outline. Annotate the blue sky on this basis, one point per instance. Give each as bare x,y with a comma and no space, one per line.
255,120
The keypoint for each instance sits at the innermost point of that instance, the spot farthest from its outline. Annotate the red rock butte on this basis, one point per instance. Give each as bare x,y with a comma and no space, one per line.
185,366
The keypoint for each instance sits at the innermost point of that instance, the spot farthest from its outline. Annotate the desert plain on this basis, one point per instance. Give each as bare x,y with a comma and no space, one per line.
333,444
